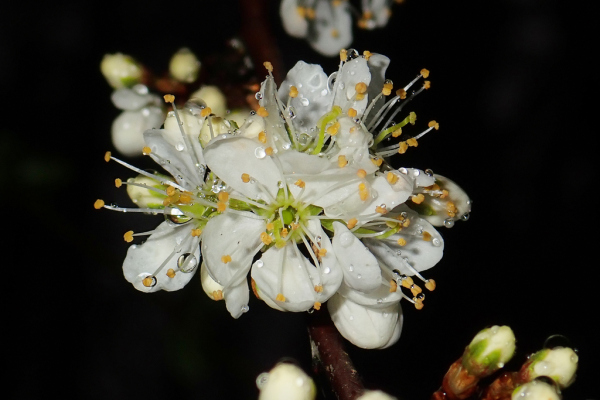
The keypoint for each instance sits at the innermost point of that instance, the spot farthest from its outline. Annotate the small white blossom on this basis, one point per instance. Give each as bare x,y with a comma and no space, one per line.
184,66
375,395
536,390
286,381
120,70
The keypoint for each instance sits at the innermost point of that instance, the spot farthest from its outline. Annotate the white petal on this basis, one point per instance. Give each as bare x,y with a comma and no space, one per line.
233,235
419,253
365,327
361,270
128,129
331,271
385,194
230,158
134,98
276,133
378,64
378,298
294,162
457,196
180,164
209,285
236,298
143,260
294,24
314,98
321,36
353,72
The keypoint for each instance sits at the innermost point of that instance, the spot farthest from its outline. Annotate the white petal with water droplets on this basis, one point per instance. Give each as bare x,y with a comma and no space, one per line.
353,72
236,298
363,326
143,260
231,157
351,253
233,235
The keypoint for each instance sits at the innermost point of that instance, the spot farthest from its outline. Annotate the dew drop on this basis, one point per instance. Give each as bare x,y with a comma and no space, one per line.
258,96
245,308
428,172
352,54
403,170
379,301
436,242
286,146
304,139
327,270
291,112
351,268
351,318
259,152
346,239
358,276
262,380
389,82
187,262
465,217
416,172
448,223
324,92
258,264
304,101
179,146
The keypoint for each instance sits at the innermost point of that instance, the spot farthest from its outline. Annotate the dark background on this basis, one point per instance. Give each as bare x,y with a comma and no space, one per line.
513,87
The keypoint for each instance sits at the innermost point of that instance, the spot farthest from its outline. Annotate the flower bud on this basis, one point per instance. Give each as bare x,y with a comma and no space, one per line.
535,390
143,197
219,127
209,285
214,98
489,350
120,70
286,381
559,364
375,395
184,66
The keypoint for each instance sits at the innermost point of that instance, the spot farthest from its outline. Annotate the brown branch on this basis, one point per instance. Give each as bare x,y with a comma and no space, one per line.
330,358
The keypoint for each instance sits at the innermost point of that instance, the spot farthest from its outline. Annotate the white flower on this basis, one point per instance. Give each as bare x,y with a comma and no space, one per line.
141,111
286,381
327,24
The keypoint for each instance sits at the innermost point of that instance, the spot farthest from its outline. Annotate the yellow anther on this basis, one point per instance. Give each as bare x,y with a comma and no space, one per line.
265,238
381,210
352,223
418,199
393,286
427,236
268,66
262,112
415,289
317,306
451,209
412,117
206,111
280,297
361,173
128,236
430,284
245,178
169,98
419,304
412,142
387,89
425,73
148,281
391,178
118,182
171,273
359,96
262,137
107,156
342,162
362,23
322,252
186,198
403,147
221,207
367,54
319,288
98,204
407,282
401,93
294,226
171,191
310,13
217,295
293,92
434,124
353,129
377,161
397,132
406,223
335,33
300,183
401,242
196,232
284,232
343,55
364,195
226,259
146,150
301,11
269,151
427,84
352,112
361,87
333,129
444,194
270,226
367,15
223,196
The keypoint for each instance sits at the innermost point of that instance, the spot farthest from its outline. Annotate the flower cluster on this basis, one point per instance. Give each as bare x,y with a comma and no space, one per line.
327,24
299,198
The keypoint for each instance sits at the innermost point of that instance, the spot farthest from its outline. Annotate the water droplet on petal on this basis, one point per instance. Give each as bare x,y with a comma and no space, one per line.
258,96
403,171
358,276
179,146
327,270
346,239
416,172
259,152
286,146
187,262
436,242
262,380
428,172
351,268
304,101
465,217
258,264
245,308
379,301
448,223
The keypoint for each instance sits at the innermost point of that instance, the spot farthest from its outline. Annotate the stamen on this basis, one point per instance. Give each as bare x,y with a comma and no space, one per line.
266,238
217,295
98,204
317,306
146,150
319,288
147,174
293,92
262,112
342,162
427,236
280,297
401,242
393,286
352,223
118,183
171,273
226,259
361,173
418,199
196,232
107,156
169,98
128,236
262,137
206,111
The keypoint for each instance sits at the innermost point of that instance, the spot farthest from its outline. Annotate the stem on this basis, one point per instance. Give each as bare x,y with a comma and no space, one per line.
330,358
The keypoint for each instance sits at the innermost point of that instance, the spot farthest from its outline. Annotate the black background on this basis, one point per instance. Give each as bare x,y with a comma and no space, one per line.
512,87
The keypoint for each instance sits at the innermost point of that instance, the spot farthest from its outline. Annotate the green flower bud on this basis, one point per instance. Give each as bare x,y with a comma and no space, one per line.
184,66
535,390
120,70
142,196
489,350
559,364
286,381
